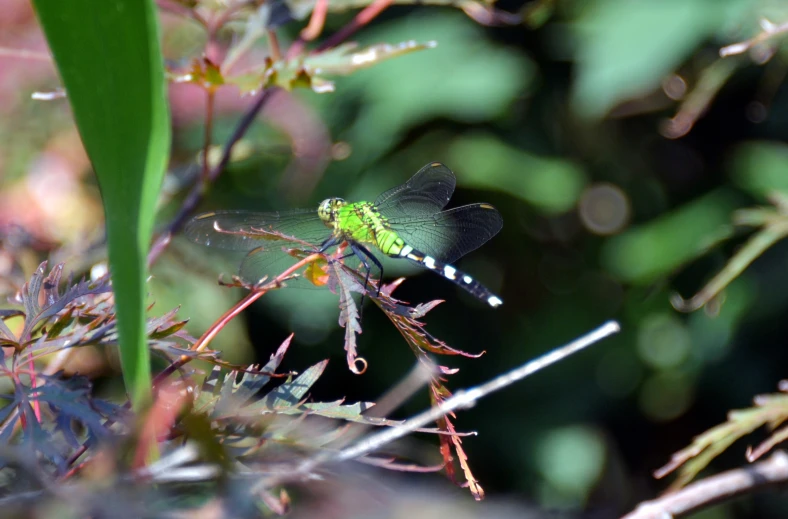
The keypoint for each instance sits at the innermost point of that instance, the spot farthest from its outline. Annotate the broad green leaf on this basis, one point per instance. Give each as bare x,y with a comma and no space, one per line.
465,78
110,62
551,184
759,167
655,249
625,49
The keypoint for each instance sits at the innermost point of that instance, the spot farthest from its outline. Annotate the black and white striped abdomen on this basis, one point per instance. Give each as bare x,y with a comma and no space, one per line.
452,274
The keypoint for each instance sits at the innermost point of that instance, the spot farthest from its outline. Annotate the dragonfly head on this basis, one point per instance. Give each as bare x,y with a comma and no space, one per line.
327,211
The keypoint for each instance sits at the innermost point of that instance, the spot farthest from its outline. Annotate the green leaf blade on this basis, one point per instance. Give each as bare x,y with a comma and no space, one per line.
109,58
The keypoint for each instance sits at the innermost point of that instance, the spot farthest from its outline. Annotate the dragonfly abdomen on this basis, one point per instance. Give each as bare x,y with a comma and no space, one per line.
451,273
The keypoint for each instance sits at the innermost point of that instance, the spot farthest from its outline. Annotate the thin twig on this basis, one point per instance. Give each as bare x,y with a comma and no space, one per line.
197,193
230,314
468,398
770,31
273,44
715,489
311,31
361,19
25,54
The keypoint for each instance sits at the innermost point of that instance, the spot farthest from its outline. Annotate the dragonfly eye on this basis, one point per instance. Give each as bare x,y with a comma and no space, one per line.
328,208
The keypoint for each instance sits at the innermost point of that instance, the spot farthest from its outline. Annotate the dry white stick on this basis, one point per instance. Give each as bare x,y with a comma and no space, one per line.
770,31
467,398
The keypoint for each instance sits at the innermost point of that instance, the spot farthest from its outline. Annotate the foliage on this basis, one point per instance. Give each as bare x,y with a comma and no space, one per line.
237,420
635,149
770,410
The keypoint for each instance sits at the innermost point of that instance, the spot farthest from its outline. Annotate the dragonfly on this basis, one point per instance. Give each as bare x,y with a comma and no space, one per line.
406,222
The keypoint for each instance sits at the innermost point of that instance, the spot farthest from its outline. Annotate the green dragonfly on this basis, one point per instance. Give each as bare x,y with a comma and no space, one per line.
407,222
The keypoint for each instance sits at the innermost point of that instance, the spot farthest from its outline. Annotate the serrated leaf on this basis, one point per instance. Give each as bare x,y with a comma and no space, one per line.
290,393
31,291
54,302
351,412
346,59
62,322
349,317
307,71
63,402
690,461
222,397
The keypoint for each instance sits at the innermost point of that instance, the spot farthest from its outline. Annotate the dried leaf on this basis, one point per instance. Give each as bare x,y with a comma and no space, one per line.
36,314
349,317
770,410
289,394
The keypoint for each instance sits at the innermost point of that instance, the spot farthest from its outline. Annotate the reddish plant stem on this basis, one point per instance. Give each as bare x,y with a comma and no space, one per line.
217,326
273,43
311,31
364,16
33,385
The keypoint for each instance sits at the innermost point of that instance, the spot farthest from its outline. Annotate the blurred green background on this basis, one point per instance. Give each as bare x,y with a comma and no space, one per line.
614,141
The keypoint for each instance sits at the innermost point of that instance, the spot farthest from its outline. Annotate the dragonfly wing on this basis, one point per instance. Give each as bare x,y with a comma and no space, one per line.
264,237
449,235
246,230
426,193
259,264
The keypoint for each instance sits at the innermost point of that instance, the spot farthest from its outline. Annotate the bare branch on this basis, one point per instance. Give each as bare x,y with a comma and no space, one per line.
716,489
770,31
468,398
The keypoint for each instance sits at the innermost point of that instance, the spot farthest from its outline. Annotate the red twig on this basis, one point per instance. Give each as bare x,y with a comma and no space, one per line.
311,31
364,16
273,43
217,326
33,385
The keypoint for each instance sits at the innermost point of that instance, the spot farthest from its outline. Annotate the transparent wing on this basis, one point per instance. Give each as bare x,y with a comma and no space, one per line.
449,235
263,236
247,230
260,263
426,193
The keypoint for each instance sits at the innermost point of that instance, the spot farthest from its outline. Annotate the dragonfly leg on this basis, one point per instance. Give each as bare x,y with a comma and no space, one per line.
328,243
361,251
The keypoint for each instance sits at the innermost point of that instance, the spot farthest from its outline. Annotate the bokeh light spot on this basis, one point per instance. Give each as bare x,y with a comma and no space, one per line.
571,460
663,341
665,396
604,209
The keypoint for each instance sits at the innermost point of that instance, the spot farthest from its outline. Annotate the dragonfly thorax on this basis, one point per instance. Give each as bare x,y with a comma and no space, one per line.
328,208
